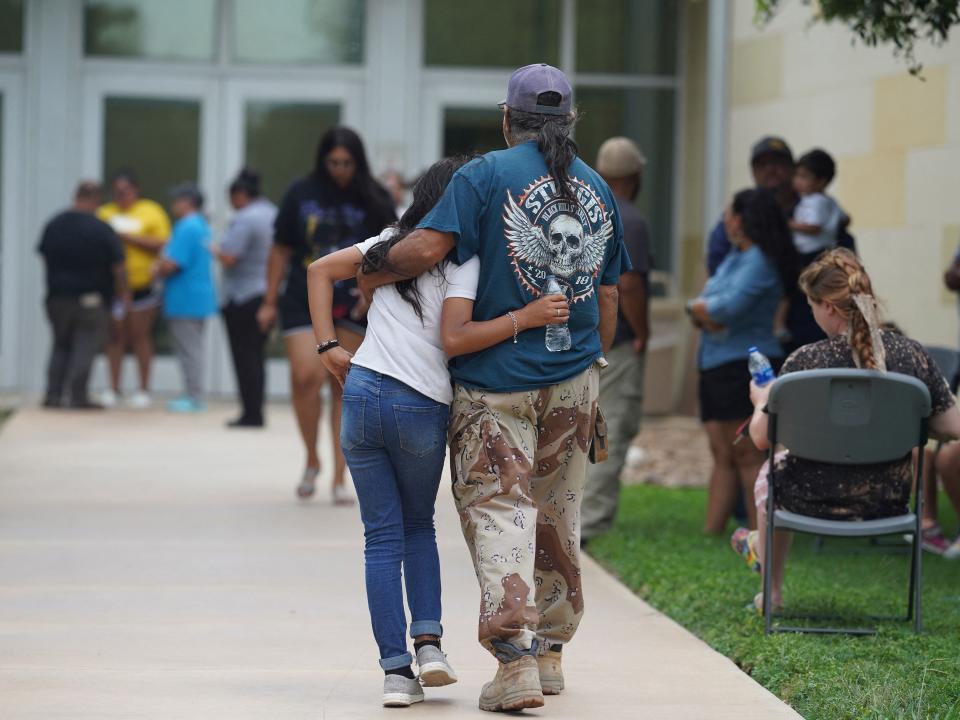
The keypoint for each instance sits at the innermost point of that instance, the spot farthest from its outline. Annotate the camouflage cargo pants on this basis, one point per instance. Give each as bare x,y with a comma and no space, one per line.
519,463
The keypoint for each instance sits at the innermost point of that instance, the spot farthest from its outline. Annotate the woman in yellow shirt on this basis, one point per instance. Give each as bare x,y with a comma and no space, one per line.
144,228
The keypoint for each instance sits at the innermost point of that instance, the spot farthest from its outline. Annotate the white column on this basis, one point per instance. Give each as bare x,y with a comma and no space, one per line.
568,39
394,52
52,153
715,160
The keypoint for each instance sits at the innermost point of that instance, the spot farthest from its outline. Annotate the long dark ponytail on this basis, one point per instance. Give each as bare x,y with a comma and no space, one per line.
427,191
552,133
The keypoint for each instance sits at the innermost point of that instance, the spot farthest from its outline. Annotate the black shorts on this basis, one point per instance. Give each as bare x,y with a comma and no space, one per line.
295,317
725,391
294,314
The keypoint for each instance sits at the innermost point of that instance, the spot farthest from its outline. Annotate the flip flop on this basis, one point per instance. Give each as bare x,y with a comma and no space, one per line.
308,484
757,604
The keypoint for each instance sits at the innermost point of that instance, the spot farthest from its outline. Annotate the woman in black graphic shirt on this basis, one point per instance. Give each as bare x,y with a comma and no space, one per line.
337,205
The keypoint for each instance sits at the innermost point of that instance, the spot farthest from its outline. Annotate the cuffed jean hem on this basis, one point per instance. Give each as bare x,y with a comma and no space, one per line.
397,662
426,627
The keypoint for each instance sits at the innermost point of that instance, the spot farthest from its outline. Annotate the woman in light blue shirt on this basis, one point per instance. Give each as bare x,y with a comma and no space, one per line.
736,311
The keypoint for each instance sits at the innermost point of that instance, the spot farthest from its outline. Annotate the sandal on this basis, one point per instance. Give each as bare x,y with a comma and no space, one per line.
757,604
308,484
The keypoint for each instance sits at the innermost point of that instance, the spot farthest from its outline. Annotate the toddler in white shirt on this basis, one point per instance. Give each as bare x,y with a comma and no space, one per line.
816,223
817,218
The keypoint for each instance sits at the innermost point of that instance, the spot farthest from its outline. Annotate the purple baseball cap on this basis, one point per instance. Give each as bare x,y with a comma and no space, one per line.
528,82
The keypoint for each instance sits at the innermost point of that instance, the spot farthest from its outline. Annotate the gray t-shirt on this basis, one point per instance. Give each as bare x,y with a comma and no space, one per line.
636,239
248,238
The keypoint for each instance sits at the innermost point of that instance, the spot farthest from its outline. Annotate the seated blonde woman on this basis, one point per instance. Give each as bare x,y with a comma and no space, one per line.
841,297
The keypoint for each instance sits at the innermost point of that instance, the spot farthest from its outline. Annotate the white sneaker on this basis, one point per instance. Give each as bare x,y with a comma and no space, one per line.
108,398
953,552
636,456
139,400
341,496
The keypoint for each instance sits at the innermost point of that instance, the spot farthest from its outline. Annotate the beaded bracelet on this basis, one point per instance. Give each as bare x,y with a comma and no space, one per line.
516,325
328,345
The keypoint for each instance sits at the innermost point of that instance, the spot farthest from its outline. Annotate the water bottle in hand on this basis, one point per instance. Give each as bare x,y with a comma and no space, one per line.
558,336
760,368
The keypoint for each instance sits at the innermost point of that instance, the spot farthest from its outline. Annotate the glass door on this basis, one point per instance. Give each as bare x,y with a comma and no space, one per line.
164,129
460,115
10,229
274,127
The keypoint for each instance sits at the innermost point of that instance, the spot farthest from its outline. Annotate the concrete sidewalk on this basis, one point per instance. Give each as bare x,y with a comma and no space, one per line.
157,566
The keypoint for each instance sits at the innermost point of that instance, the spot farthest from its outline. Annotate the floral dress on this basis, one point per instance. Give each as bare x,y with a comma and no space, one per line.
856,492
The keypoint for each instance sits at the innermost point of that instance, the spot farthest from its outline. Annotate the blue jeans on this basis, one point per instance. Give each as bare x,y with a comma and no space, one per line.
394,440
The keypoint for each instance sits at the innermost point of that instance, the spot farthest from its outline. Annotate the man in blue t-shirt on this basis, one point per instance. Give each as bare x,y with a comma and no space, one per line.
523,413
189,297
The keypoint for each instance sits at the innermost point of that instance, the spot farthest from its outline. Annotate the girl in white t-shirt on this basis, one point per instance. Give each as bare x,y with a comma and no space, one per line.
396,398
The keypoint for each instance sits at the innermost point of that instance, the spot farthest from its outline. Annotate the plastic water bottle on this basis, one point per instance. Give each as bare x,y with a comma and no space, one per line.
760,368
558,336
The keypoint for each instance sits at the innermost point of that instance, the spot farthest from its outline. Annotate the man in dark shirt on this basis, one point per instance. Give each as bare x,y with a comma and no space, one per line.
621,164
84,264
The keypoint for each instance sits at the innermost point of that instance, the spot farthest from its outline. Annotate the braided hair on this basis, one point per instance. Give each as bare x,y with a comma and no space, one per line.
836,277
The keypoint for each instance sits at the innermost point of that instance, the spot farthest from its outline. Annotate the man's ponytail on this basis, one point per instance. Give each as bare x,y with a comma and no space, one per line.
552,133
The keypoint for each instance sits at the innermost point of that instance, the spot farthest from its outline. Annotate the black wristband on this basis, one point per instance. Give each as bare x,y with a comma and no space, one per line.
328,345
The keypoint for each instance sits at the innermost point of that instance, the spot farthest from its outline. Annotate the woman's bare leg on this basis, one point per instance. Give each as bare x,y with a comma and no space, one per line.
781,546
724,478
140,324
948,467
930,505
306,376
116,347
748,460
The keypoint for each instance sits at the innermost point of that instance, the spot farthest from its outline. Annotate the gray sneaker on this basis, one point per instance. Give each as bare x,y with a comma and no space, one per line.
399,691
435,671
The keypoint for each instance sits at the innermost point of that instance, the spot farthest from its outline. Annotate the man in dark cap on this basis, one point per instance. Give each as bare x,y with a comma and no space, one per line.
542,223
84,264
771,162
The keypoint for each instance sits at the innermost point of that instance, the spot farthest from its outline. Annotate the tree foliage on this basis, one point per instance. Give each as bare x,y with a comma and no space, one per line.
900,23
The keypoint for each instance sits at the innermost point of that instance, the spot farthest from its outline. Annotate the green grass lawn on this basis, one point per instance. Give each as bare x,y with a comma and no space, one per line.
657,548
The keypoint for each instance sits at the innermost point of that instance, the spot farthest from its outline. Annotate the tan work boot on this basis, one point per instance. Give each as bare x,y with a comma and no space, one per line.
515,686
551,674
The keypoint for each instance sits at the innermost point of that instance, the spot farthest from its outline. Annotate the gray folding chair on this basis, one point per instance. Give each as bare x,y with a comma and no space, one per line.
847,417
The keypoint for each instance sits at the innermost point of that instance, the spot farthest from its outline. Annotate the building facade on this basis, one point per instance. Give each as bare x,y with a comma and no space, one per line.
195,89
896,139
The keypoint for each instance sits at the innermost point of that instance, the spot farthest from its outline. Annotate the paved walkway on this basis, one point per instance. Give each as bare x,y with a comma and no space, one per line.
154,566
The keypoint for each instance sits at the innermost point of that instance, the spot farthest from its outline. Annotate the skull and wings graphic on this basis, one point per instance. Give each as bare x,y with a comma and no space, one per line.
565,248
